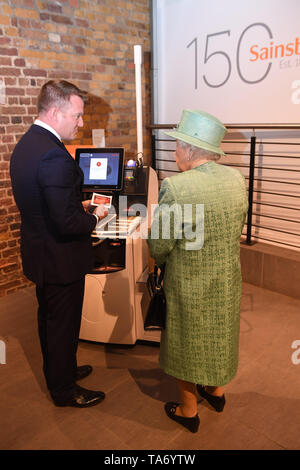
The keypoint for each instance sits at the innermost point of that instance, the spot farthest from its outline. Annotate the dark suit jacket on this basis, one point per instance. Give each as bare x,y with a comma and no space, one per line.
55,230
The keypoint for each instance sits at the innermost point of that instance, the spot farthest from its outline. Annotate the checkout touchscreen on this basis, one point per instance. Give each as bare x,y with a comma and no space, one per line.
102,168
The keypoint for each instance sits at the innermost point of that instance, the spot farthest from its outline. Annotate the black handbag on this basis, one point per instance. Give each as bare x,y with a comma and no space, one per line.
157,309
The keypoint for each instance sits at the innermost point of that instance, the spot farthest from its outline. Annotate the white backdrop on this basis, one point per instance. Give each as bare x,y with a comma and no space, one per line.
239,60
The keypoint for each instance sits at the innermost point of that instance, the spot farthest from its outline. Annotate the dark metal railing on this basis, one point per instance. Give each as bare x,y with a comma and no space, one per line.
251,169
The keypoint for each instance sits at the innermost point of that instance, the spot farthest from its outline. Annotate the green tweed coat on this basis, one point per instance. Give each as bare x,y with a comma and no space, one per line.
201,249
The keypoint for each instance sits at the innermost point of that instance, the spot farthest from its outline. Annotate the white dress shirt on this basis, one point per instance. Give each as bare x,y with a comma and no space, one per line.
46,126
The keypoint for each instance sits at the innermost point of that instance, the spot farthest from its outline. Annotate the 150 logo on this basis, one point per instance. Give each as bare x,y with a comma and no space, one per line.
216,54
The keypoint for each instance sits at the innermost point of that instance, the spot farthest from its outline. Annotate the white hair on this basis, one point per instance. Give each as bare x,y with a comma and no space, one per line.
197,153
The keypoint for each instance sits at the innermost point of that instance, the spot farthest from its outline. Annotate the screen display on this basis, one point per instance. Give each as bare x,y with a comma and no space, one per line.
102,167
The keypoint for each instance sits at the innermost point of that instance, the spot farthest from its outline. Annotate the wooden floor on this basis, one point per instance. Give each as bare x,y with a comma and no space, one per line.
263,401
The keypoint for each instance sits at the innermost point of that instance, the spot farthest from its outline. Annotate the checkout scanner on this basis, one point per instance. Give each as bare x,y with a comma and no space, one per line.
116,297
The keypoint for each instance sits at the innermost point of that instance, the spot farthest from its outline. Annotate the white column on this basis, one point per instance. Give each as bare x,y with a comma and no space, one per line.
138,87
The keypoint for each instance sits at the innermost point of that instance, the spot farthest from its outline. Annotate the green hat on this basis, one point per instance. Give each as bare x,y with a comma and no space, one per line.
201,130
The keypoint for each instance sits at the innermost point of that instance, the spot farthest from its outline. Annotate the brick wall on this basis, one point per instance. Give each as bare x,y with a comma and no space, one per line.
88,42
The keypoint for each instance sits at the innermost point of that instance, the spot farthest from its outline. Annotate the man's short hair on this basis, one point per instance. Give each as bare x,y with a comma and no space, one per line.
57,93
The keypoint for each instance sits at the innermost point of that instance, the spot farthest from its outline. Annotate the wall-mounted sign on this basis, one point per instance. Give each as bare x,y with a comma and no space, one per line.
239,60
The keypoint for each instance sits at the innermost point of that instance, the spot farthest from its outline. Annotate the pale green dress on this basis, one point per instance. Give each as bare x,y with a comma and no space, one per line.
203,277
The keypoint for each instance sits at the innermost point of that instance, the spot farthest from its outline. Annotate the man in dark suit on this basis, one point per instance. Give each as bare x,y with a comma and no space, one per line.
55,236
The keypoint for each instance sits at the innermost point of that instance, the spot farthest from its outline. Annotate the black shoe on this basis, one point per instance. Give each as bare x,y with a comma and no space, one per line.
192,424
217,403
81,398
83,371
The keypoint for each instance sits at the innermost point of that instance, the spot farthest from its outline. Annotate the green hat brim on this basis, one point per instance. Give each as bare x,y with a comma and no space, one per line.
196,142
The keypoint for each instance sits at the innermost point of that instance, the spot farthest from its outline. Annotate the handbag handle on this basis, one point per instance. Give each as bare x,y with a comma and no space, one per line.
158,277
154,280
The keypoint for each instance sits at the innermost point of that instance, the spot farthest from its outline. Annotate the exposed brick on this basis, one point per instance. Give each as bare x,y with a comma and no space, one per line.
53,8
82,23
28,120
14,226
14,110
8,51
35,73
10,81
7,285
61,19
4,40
81,76
24,23
7,138
15,129
31,110
32,91
12,100
36,24
15,91
24,13
5,61
9,71
29,3
23,81
59,74
11,267
53,37
4,20
44,16
19,62
79,49
16,119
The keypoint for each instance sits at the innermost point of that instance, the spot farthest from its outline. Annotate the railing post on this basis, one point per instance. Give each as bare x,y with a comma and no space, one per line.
250,191
153,151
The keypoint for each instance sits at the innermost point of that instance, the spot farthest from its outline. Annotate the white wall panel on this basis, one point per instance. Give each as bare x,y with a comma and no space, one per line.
239,60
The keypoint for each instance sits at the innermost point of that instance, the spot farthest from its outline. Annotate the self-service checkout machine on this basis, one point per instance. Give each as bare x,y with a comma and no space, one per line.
116,296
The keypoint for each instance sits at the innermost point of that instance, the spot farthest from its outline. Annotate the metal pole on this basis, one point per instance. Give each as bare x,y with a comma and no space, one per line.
153,151
250,192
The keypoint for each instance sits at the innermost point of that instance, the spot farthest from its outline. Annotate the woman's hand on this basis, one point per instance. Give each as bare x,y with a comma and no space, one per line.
86,205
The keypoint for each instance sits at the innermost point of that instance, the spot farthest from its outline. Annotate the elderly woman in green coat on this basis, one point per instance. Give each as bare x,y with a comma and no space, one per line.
196,232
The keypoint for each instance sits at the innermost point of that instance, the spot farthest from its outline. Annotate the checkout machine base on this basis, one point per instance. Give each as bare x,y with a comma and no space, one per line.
116,297
115,303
